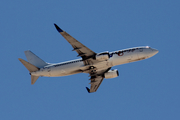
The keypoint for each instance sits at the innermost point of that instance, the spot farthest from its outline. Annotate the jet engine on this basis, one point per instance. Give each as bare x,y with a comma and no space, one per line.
102,56
111,74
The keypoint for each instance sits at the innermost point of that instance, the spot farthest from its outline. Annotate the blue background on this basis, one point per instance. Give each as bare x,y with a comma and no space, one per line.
145,90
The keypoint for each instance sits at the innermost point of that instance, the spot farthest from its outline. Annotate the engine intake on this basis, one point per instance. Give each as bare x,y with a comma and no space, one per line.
111,74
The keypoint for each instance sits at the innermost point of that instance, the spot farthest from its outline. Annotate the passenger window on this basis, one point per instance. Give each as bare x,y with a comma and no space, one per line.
140,49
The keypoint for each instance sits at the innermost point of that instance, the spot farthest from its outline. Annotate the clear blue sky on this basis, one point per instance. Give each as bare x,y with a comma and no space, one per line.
145,90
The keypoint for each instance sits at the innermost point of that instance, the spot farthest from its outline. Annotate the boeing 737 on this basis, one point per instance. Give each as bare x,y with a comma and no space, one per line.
97,65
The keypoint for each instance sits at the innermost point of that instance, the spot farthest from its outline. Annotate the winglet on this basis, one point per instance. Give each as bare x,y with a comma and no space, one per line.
88,89
58,29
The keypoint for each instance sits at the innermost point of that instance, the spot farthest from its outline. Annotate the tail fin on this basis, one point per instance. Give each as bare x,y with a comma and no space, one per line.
31,68
35,60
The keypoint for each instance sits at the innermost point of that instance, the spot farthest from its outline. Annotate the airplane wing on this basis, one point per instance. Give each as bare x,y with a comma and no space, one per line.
81,49
95,84
97,76
96,80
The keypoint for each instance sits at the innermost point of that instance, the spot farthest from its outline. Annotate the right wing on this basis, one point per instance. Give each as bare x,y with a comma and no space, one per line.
95,84
96,80
81,49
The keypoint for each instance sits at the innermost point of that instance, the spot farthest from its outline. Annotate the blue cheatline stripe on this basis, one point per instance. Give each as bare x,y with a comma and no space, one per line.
58,29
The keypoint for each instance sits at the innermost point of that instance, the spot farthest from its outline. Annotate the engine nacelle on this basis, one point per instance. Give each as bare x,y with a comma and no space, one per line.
111,74
102,56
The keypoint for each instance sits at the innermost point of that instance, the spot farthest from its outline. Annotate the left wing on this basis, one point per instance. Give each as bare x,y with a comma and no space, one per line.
81,49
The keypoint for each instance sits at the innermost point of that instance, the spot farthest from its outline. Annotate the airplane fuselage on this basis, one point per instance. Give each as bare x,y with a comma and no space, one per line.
78,66
97,65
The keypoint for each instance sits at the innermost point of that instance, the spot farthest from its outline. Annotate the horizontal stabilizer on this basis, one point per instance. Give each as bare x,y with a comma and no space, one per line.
33,79
28,65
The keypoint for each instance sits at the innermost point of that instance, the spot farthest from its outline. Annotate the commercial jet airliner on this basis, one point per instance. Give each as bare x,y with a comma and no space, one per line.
97,65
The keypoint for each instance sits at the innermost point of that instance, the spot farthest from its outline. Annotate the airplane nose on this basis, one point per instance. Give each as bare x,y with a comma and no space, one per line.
155,51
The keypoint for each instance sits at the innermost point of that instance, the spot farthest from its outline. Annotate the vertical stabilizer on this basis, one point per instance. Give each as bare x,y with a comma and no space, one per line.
35,60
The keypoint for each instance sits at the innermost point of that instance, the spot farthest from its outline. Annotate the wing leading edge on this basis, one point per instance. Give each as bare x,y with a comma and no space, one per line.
81,49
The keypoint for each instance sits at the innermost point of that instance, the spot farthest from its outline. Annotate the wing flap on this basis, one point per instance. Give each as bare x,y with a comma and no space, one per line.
96,79
81,49
95,84
78,47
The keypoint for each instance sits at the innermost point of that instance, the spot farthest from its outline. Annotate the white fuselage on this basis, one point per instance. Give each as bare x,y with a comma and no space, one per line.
78,66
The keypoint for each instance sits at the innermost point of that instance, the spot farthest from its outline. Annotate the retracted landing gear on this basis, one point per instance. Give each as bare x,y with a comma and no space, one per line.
92,70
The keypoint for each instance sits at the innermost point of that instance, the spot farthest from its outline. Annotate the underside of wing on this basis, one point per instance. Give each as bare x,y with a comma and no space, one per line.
81,49
95,84
96,80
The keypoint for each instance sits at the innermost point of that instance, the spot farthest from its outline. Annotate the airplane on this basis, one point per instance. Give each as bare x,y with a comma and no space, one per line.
97,65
